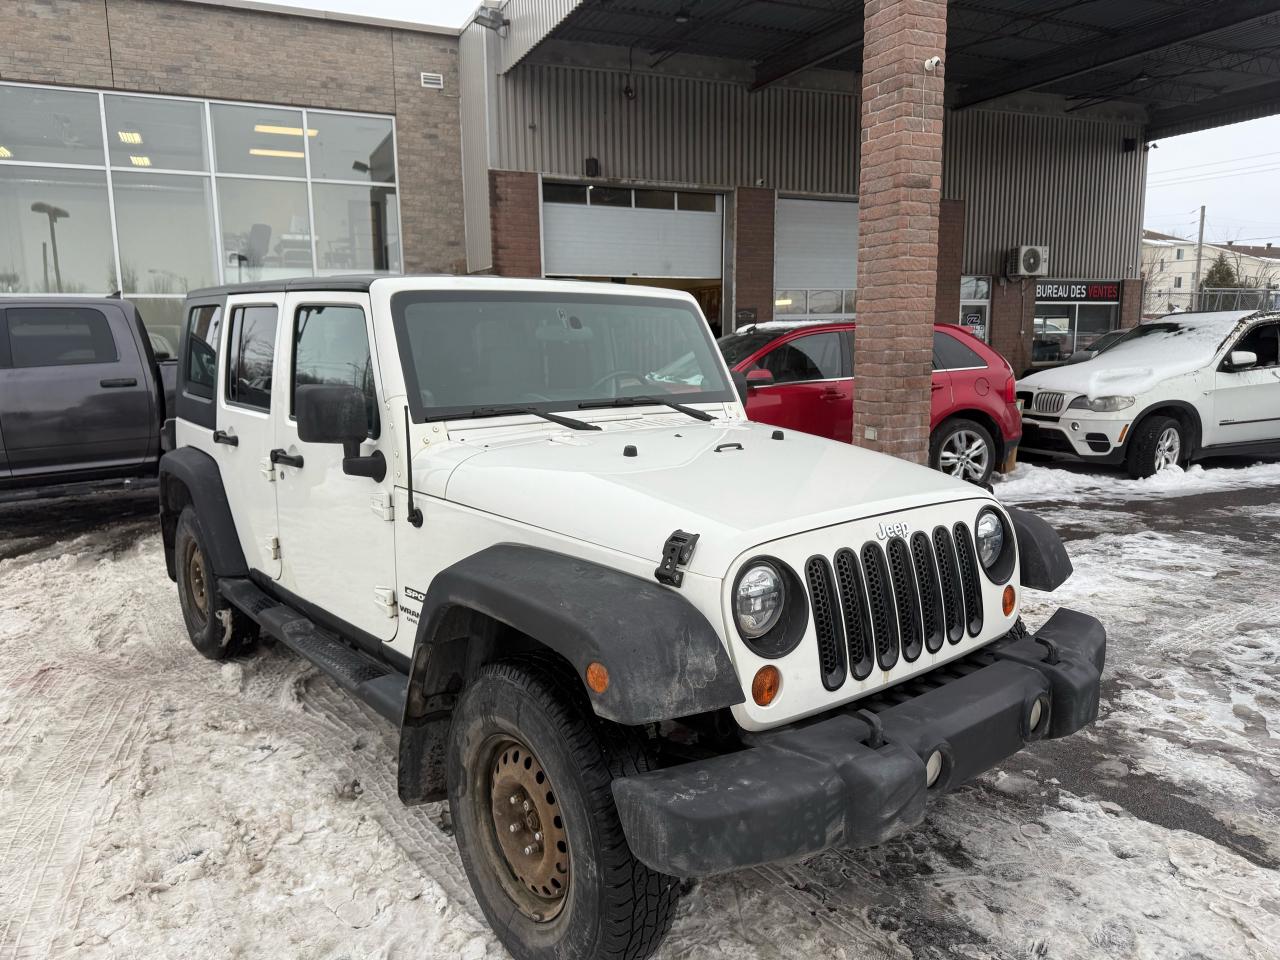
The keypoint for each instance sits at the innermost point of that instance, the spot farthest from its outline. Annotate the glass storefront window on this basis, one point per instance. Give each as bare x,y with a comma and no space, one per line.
266,232
787,302
147,132
351,148
262,141
1092,321
357,228
851,302
46,125
57,231
165,226
975,288
162,316
826,301
1052,333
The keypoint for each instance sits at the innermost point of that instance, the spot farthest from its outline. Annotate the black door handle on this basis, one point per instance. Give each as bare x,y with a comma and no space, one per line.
282,458
119,382
221,436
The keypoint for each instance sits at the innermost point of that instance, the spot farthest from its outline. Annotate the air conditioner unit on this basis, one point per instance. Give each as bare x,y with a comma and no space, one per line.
1027,262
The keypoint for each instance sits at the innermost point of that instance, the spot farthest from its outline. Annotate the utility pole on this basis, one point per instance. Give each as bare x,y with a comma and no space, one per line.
1195,280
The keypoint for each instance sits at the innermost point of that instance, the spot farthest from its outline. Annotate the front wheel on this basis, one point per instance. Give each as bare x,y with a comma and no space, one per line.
530,790
1159,442
964,449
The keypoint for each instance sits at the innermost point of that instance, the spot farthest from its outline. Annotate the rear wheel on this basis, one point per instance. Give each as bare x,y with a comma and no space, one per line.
216,628
1157,443
530,790
963,449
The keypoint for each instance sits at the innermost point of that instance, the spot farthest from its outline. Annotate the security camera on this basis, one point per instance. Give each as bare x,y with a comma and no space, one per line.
932,64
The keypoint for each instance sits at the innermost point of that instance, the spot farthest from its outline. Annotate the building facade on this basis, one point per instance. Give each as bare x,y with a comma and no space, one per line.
1169,268
151,146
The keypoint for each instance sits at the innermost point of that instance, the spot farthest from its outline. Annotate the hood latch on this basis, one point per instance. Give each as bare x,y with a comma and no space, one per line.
676,553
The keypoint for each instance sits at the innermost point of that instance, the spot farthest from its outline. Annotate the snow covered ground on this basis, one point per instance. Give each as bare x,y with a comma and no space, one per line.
155,805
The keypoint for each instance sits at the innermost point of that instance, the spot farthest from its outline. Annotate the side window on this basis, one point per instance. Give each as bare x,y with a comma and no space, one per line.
251,347
331,345
950,354
1264,340
813,357
204,326
59,336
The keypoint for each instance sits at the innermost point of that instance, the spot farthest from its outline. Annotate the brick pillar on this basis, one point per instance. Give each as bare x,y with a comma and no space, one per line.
754,209
1013,313
515,219
950,261
1130,303
899,195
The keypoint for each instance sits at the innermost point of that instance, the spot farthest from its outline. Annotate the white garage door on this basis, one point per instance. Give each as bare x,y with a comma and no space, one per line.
632,233
815,257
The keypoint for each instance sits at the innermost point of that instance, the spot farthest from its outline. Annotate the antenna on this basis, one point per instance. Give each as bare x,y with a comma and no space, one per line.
415,515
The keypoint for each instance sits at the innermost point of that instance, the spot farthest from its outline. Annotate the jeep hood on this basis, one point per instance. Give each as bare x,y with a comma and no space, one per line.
729,482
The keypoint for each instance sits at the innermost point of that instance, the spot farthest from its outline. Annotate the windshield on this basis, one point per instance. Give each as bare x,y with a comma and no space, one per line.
466,351
736,347
1165,341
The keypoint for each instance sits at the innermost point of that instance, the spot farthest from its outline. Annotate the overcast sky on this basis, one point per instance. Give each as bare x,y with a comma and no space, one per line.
1234,171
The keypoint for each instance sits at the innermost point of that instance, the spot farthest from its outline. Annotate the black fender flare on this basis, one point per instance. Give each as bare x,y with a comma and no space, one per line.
663,657
193,470
1044,563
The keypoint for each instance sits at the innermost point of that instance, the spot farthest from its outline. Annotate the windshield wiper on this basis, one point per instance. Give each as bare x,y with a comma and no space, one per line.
646,402
569,422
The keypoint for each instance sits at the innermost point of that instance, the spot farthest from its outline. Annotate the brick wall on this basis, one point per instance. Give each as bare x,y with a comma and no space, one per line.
189,49
754,212
1013,311
1130,303
950,261
515,213
899,196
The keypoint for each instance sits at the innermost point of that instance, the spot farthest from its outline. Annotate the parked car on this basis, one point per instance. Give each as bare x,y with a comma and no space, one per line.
800,375
1174,390
476,505
1097,346
82,395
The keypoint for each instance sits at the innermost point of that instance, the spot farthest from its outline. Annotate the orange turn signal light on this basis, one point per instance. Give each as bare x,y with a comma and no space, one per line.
597,676
1007,601
765,686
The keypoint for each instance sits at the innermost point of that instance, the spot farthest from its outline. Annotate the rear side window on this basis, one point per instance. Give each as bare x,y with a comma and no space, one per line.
59,336
204,326
331,345
815,357
251,348
950,354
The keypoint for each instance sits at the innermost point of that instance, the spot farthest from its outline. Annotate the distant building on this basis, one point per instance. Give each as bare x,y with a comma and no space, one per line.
1169,266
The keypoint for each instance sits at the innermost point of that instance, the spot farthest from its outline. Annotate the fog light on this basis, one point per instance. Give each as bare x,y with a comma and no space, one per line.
1075,425
933,768
764,688
1007,601
1036,715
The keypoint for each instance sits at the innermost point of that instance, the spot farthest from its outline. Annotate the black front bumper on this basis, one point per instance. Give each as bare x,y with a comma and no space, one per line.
857,777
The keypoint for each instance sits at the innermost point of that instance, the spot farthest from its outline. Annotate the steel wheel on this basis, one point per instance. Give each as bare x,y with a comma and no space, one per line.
531,848
194,568
1168,448
966,455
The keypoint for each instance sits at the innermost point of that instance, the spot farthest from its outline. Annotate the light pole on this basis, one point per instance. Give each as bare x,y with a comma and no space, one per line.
54,214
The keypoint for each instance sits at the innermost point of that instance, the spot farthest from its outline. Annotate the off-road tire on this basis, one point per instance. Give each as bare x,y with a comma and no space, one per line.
940,438
1144,442
217,629
615,907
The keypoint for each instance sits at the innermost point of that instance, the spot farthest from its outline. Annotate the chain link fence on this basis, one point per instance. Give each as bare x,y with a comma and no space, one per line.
1158,303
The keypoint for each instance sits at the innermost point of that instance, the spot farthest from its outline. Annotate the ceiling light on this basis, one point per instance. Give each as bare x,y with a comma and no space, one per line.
4,153
140,161
785,302
263,152
283,131
129,136
682,15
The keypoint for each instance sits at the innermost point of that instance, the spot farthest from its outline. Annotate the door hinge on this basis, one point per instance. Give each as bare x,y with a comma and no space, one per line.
273,547
268,469
676,553
385,598
383,505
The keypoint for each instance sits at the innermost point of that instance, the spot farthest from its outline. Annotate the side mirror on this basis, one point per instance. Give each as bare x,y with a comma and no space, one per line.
335,413
759,377
1242,359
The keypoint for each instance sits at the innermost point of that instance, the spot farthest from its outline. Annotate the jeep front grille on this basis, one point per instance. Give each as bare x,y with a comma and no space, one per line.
1048,401
880,604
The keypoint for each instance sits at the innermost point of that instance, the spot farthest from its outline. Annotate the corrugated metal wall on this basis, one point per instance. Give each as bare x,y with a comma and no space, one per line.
676,129
531,21
1062,181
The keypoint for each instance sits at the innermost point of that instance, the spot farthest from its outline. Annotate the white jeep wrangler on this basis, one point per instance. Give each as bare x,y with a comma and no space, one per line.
628,634
1172,390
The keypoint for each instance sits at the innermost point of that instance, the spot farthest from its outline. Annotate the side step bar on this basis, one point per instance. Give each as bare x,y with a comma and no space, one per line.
376,683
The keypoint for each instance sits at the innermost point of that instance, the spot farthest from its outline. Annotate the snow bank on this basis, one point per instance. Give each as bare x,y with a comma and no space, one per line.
1072,483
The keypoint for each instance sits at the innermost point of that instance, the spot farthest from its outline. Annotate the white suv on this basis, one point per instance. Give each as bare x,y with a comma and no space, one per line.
628,634
1173,390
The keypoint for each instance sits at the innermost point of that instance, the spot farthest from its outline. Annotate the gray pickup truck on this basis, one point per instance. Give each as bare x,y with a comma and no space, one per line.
83,395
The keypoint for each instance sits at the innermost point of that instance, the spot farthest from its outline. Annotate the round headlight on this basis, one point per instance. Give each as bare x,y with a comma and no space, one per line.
990,536
758,600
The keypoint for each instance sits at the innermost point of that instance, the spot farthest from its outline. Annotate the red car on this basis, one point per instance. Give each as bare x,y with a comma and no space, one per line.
800,375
